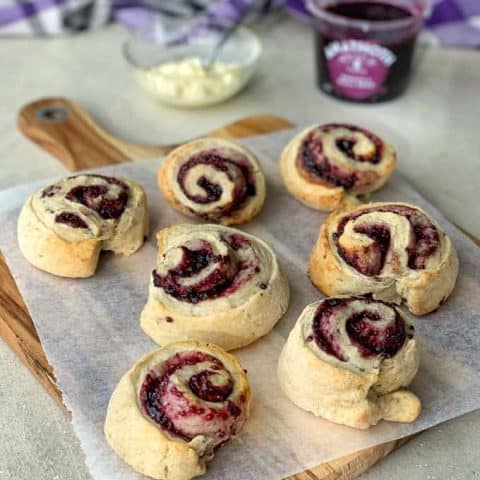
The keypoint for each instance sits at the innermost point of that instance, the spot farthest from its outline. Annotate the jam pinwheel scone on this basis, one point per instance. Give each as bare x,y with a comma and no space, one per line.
63,227
215,284
393,251
348,360
175,407
213,179
327,165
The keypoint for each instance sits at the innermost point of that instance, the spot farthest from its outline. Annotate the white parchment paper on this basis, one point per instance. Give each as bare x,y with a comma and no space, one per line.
89,330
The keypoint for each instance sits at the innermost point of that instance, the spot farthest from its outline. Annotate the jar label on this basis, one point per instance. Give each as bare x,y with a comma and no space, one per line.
358,68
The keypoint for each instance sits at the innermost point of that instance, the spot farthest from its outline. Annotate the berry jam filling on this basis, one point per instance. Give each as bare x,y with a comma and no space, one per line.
203,388
370,339
192,263
371,258
423,243
424,240
347,144
236,171
213,190
150,399
236,241
96,197
324,328
164,398
227,276
71,219
317,164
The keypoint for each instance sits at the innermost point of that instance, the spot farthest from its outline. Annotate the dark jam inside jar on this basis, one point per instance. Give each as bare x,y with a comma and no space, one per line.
364,49
373,11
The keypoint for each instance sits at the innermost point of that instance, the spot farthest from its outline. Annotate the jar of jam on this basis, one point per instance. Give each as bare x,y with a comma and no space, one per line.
364,48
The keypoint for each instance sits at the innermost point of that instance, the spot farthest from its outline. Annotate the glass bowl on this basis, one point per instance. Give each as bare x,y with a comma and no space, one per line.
189,85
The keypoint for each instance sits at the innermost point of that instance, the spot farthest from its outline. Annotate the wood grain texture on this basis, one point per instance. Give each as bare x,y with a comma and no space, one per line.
351,466
18,331
67,131
78,142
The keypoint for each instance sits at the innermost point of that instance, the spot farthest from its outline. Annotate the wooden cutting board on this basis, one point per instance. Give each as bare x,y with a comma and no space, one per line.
67,131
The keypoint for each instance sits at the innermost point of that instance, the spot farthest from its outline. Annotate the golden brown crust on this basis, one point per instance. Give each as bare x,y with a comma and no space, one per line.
422,291
324,269
313,196
167,182
231,323
143,444
74,252
323,196
51,253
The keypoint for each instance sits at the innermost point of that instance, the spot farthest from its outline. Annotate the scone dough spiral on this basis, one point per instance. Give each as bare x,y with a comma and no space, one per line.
174,407
213,179
348,358
394,251
326,165
215,284
62,228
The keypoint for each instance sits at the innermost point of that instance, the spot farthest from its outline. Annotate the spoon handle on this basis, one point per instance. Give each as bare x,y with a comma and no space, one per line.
207,63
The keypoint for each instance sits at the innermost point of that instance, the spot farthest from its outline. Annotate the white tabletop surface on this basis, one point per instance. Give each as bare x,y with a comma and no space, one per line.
435,127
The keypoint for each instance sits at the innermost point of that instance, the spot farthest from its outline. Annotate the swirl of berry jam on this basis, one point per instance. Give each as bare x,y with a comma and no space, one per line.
370,259
373,340
204,270
71,219
320,162
214,173
109,199
201,385
325,329
189,395
365,327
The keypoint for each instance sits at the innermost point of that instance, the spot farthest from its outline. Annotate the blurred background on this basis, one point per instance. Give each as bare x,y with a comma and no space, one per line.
119,60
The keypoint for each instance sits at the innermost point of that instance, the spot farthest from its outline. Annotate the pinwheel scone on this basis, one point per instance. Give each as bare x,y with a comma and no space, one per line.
175,407
215,284
63,228
213,179
393,251
326,165
348,360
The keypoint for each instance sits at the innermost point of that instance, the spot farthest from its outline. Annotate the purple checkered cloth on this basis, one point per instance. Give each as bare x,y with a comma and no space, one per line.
453,23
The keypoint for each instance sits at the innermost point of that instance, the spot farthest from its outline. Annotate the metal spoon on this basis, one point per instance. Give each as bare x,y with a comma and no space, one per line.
208,61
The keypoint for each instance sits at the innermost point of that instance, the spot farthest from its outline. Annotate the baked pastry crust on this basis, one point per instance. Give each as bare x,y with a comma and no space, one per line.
348,360
63,227
327,165
235,296
213,179
394,251
181,448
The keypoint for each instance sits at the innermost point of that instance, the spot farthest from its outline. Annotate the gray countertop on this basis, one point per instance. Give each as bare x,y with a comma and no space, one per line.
434,126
